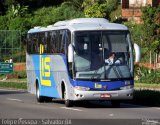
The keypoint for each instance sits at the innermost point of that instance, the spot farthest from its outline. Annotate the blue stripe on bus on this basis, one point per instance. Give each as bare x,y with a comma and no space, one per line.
111,85
50,91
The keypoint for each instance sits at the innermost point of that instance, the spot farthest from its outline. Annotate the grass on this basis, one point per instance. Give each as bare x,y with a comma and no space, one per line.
147,86
14,85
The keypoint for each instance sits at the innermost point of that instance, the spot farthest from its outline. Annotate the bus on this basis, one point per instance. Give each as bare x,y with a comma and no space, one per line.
68,61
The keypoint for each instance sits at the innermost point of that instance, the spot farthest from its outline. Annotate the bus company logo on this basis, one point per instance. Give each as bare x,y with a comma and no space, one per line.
44,68
98,86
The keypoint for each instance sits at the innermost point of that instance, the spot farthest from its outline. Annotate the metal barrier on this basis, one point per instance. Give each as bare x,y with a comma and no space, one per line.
11,46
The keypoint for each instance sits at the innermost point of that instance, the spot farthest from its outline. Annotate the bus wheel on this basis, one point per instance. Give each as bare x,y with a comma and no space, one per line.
39,98
115,103
68,102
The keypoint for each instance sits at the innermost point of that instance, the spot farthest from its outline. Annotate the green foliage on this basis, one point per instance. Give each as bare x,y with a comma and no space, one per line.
151,19
21,74
116,14
145,75
10,39
21,16
99,8
49,15
137,33
156,46
19,56
18,23
96,10
17,11
146,86
3,20
77,4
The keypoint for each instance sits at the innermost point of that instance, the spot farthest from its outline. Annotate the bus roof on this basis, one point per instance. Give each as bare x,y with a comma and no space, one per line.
81,24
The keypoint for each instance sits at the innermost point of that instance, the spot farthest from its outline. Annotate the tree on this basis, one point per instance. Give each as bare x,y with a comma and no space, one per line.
49,15
151,19
17,11
99,8
77,4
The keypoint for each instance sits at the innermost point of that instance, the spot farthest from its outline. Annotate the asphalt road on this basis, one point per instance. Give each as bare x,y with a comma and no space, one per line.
22,105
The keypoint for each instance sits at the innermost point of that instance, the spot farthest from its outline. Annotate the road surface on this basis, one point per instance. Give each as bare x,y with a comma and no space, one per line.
16,104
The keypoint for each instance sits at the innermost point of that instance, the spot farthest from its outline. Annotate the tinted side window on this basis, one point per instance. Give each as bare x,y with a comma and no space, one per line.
43,41
62,41
68,40
48,41
29,43
32,44
53,40
56,42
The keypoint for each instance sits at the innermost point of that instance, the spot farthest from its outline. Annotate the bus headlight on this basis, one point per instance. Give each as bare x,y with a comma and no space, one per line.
127,87
127,82
82,88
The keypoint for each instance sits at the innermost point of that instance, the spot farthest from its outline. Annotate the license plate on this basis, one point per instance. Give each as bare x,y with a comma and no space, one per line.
105,95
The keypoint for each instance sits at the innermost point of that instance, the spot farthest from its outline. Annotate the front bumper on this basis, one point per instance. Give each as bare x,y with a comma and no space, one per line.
96,95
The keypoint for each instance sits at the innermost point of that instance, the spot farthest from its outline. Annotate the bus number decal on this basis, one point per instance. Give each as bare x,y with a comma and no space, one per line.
44,68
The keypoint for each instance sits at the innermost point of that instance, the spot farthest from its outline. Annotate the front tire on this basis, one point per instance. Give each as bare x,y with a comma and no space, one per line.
38,96
68,103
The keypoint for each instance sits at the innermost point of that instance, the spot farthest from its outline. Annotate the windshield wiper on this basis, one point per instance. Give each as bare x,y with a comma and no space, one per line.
119,71
114,69
116,72
95,73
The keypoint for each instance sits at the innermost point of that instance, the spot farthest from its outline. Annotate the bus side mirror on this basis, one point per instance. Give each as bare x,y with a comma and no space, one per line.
137,53
70,53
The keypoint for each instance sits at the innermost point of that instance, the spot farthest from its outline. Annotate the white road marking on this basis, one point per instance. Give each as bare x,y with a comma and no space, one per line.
157,108
2,89
111,114
11,90
71,109
11,99
150,122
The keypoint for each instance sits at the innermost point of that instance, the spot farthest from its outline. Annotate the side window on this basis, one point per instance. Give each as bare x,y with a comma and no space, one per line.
29,43
48,39
43,41
56,42
53,41
32,45
35,47
62,41
59,38
67,40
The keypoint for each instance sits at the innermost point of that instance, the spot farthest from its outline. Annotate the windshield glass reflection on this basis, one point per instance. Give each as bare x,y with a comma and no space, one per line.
102,55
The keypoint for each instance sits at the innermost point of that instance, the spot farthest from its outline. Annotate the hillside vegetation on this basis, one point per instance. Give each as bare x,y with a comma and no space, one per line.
25,14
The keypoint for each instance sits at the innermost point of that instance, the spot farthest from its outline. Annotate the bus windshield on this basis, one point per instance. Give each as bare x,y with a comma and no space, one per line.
102,55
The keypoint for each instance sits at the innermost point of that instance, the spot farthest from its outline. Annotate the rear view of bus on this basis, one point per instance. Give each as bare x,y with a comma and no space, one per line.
83,71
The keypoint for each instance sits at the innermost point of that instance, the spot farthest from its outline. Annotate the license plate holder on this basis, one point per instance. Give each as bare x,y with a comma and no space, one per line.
105,95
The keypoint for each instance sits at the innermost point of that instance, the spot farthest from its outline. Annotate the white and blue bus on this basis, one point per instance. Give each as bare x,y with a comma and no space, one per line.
68,61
